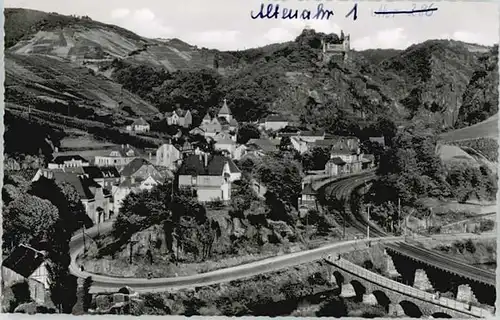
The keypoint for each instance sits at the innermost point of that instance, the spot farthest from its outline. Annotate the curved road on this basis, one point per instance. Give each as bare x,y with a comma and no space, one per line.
107,283
342,190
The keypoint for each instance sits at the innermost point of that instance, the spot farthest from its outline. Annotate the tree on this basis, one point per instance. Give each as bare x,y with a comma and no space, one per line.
28,219
246,132
21,291
316,159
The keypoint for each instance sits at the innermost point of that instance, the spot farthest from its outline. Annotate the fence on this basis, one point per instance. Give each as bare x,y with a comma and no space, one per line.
409,291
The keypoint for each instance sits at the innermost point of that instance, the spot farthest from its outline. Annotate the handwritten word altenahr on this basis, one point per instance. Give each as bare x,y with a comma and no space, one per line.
274,11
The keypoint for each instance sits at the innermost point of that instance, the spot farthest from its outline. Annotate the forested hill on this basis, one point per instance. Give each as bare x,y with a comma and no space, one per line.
441,82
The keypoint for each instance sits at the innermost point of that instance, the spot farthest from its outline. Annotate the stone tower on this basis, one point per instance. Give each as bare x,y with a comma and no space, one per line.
338,52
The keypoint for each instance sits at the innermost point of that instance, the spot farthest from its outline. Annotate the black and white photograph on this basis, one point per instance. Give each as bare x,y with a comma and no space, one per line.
280,158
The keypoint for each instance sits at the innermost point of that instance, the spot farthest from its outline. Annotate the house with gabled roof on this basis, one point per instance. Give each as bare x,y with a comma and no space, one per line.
308,198
27,264
209,175
118,156
261,147
139,125
140,169
275,122
65,161
228,145
107,177
179,117
167,155
96,199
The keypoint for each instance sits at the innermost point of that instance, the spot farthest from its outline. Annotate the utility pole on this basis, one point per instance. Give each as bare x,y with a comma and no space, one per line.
368,224
84,245
399,210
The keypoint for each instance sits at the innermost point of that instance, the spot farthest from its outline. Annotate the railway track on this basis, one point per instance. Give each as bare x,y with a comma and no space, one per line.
342,190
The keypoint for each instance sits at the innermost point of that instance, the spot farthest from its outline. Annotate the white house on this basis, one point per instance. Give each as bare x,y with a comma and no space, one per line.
167,156
139,125
226,144
275,122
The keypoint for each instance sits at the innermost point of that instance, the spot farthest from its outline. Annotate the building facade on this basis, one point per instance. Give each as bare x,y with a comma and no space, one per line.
167,156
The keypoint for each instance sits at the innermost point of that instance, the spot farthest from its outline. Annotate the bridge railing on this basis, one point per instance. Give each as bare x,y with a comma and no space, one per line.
409,291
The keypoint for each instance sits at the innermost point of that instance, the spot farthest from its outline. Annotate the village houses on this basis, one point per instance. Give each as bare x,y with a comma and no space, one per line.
209,175
27,264
139,125
222,122
179,117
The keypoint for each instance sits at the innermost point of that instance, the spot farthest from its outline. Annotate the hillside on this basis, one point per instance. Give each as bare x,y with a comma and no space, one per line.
106,73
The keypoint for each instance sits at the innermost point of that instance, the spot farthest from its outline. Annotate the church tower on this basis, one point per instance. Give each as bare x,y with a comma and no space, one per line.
225,112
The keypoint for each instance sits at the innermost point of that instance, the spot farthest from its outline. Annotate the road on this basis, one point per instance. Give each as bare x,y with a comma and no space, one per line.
343,191
488,128
112,284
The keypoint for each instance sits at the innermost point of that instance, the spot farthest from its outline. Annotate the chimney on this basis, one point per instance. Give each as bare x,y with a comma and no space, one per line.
123,146
150,156
128,146
206,159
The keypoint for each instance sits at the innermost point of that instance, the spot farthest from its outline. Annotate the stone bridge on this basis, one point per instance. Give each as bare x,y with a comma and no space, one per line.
427,270
398,299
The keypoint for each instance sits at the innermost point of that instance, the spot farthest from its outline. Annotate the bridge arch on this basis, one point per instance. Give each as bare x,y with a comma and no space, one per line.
382,299
359,289
441,315
339,278
411,309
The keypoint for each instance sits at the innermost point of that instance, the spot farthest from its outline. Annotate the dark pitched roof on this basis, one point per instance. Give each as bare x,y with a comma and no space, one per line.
101,172
194,164
133,166
82,184
62,159
24,260
338,161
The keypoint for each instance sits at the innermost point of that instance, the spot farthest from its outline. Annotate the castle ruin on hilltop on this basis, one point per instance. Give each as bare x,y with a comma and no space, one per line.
338,52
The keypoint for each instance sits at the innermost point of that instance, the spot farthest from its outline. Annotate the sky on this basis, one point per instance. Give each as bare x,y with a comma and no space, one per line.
227,24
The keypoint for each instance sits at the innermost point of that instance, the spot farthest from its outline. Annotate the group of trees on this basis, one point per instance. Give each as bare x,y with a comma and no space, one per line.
468,182
183,220
410,170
